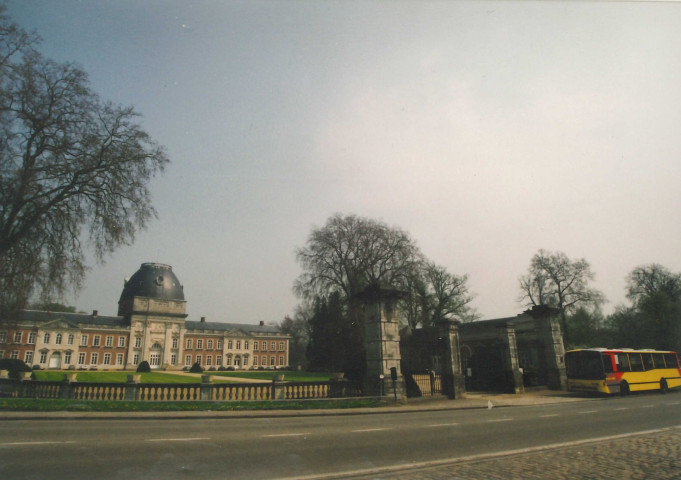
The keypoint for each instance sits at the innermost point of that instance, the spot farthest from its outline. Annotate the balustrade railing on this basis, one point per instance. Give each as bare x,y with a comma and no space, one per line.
179,392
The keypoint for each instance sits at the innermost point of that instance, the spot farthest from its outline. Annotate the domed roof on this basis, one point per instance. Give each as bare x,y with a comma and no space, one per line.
153,280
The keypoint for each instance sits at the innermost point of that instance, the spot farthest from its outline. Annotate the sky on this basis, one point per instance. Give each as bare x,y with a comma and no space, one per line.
487,130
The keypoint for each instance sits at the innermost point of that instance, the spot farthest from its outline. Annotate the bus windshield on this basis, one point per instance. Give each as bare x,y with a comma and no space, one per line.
585,365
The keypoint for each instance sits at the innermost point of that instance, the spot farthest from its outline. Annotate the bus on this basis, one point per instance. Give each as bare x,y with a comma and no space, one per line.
621,370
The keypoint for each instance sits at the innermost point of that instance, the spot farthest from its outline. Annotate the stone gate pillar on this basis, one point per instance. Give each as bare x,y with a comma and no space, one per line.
514,377
550,336
382,341
453,381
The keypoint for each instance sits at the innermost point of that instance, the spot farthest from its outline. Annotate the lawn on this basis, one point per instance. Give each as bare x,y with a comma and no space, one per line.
289,376
115,377
167,377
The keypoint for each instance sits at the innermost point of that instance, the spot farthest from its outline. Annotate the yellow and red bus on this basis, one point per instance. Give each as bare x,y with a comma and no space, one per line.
623,370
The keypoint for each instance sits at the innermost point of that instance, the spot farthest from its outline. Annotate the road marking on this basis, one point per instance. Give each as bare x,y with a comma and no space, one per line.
18,444
443,425
371,430
286,435
549,415
501,420
192,439
672,403
584,412
622,408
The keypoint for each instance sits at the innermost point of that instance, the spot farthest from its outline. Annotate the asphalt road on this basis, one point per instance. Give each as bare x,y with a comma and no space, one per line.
284,447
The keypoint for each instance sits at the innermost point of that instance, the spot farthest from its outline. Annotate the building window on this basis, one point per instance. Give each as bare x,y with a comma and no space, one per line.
209,360
238,344
58,338
107,358
229,359
229,344
209,344
198,359
263,361
136,359
67,357
219,347
173,359
119,359
138,342
17,337
246,344
28,357
94,357
218,360
109,341
15,354
264,346
189,343
81,358
121,341
281,346
46,338
69,340
31,338
199,344
255,361
95,341
43,357
187,360
245,361
3,337
154,359
175,342
273,346
255,345
83,340
281,360
272,361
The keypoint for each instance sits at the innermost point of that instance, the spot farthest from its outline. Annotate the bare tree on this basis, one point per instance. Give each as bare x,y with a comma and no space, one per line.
351,252
74,170
557,281
435,295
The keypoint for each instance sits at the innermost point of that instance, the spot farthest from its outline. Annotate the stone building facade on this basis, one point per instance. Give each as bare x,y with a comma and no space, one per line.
151,325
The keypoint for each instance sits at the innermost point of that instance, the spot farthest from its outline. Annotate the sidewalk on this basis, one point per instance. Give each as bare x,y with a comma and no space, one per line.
472,400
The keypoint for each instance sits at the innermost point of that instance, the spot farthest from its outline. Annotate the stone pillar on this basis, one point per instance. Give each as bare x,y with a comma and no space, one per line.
382,342
132,388
514,377
278,387
453,381
550,336
206,387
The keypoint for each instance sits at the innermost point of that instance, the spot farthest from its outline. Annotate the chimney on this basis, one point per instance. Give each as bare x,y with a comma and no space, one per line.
95,313
262,323
203,319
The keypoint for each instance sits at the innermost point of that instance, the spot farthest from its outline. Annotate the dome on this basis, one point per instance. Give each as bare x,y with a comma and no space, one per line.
153,280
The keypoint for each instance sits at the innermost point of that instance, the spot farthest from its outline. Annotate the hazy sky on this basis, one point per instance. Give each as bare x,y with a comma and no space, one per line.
487,130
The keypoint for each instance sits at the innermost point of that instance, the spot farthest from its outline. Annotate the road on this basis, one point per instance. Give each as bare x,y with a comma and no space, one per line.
289,447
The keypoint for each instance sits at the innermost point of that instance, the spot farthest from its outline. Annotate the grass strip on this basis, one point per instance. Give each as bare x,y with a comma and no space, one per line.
62,405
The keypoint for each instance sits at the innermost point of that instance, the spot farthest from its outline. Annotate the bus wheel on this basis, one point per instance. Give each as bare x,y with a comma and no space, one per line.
664,388
624,388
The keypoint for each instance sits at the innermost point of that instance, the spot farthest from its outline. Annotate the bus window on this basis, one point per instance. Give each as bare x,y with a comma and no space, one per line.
636,362
670,360
622,362
648,361
658,358
607,363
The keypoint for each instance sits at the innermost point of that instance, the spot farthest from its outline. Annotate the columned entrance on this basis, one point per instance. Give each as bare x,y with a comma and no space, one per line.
55,360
